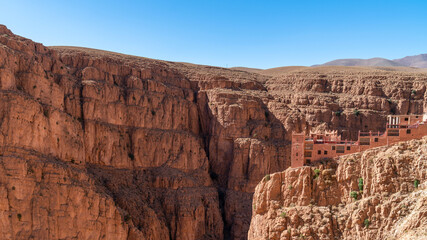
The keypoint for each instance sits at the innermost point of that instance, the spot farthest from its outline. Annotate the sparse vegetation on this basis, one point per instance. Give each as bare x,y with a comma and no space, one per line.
416,183
73,161
290,187
338,113
413,92
354,194
131,156
366,223
356,112
19,216
127,217
389,101
153,112
30,170
46,112
360,184
283,214
13,187
316,173
267,178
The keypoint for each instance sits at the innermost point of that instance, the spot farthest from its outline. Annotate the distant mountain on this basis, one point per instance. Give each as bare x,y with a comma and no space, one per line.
418,61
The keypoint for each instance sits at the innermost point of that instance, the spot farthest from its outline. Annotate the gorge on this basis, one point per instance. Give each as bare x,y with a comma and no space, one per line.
101,145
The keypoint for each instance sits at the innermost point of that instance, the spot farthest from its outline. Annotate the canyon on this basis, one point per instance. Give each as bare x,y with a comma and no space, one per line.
102,145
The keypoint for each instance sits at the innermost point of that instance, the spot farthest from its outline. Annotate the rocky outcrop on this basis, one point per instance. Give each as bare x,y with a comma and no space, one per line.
377,194
171,146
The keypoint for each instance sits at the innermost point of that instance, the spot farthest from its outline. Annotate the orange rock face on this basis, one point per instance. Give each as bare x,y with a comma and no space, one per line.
369,195
162,150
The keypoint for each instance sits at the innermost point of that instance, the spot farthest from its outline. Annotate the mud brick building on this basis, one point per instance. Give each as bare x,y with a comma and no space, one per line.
308,148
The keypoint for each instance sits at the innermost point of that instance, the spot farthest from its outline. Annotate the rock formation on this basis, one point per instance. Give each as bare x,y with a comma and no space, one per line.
377,194
100,145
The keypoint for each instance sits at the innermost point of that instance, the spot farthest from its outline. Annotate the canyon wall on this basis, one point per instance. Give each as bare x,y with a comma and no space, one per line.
157,149
377,194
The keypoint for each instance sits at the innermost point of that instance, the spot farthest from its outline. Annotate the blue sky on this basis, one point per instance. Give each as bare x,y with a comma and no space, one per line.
260,34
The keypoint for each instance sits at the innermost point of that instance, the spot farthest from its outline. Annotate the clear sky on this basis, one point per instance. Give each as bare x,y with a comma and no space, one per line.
260,34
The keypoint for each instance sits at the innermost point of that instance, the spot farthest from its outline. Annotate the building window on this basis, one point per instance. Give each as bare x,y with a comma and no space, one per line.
307,154
308,161
309,146
348,148
333,148
319,152
408,131
325,152
393,133
375,139
340,149
365,141
406,119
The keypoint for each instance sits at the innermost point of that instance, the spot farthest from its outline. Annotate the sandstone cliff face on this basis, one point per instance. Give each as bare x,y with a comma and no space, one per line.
170,146
297,203
123,140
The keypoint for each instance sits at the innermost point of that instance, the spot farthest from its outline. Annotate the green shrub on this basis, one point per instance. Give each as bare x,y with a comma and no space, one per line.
389,101
283,214
413,92
267,178
290,187
338,113
366,223
127,217
316,173
360,184
356,112
416,183
131,156
353,194
19,216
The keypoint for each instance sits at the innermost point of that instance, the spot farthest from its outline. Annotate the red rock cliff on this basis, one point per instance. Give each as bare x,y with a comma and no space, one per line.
368,195
161,150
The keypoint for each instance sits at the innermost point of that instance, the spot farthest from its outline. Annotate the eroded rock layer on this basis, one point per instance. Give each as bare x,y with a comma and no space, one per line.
169,146
377,194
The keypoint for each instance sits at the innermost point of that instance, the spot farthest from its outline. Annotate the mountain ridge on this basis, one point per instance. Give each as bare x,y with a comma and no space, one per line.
416,61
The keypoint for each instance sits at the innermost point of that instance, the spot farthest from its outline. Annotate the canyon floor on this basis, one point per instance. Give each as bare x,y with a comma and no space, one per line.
101,145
